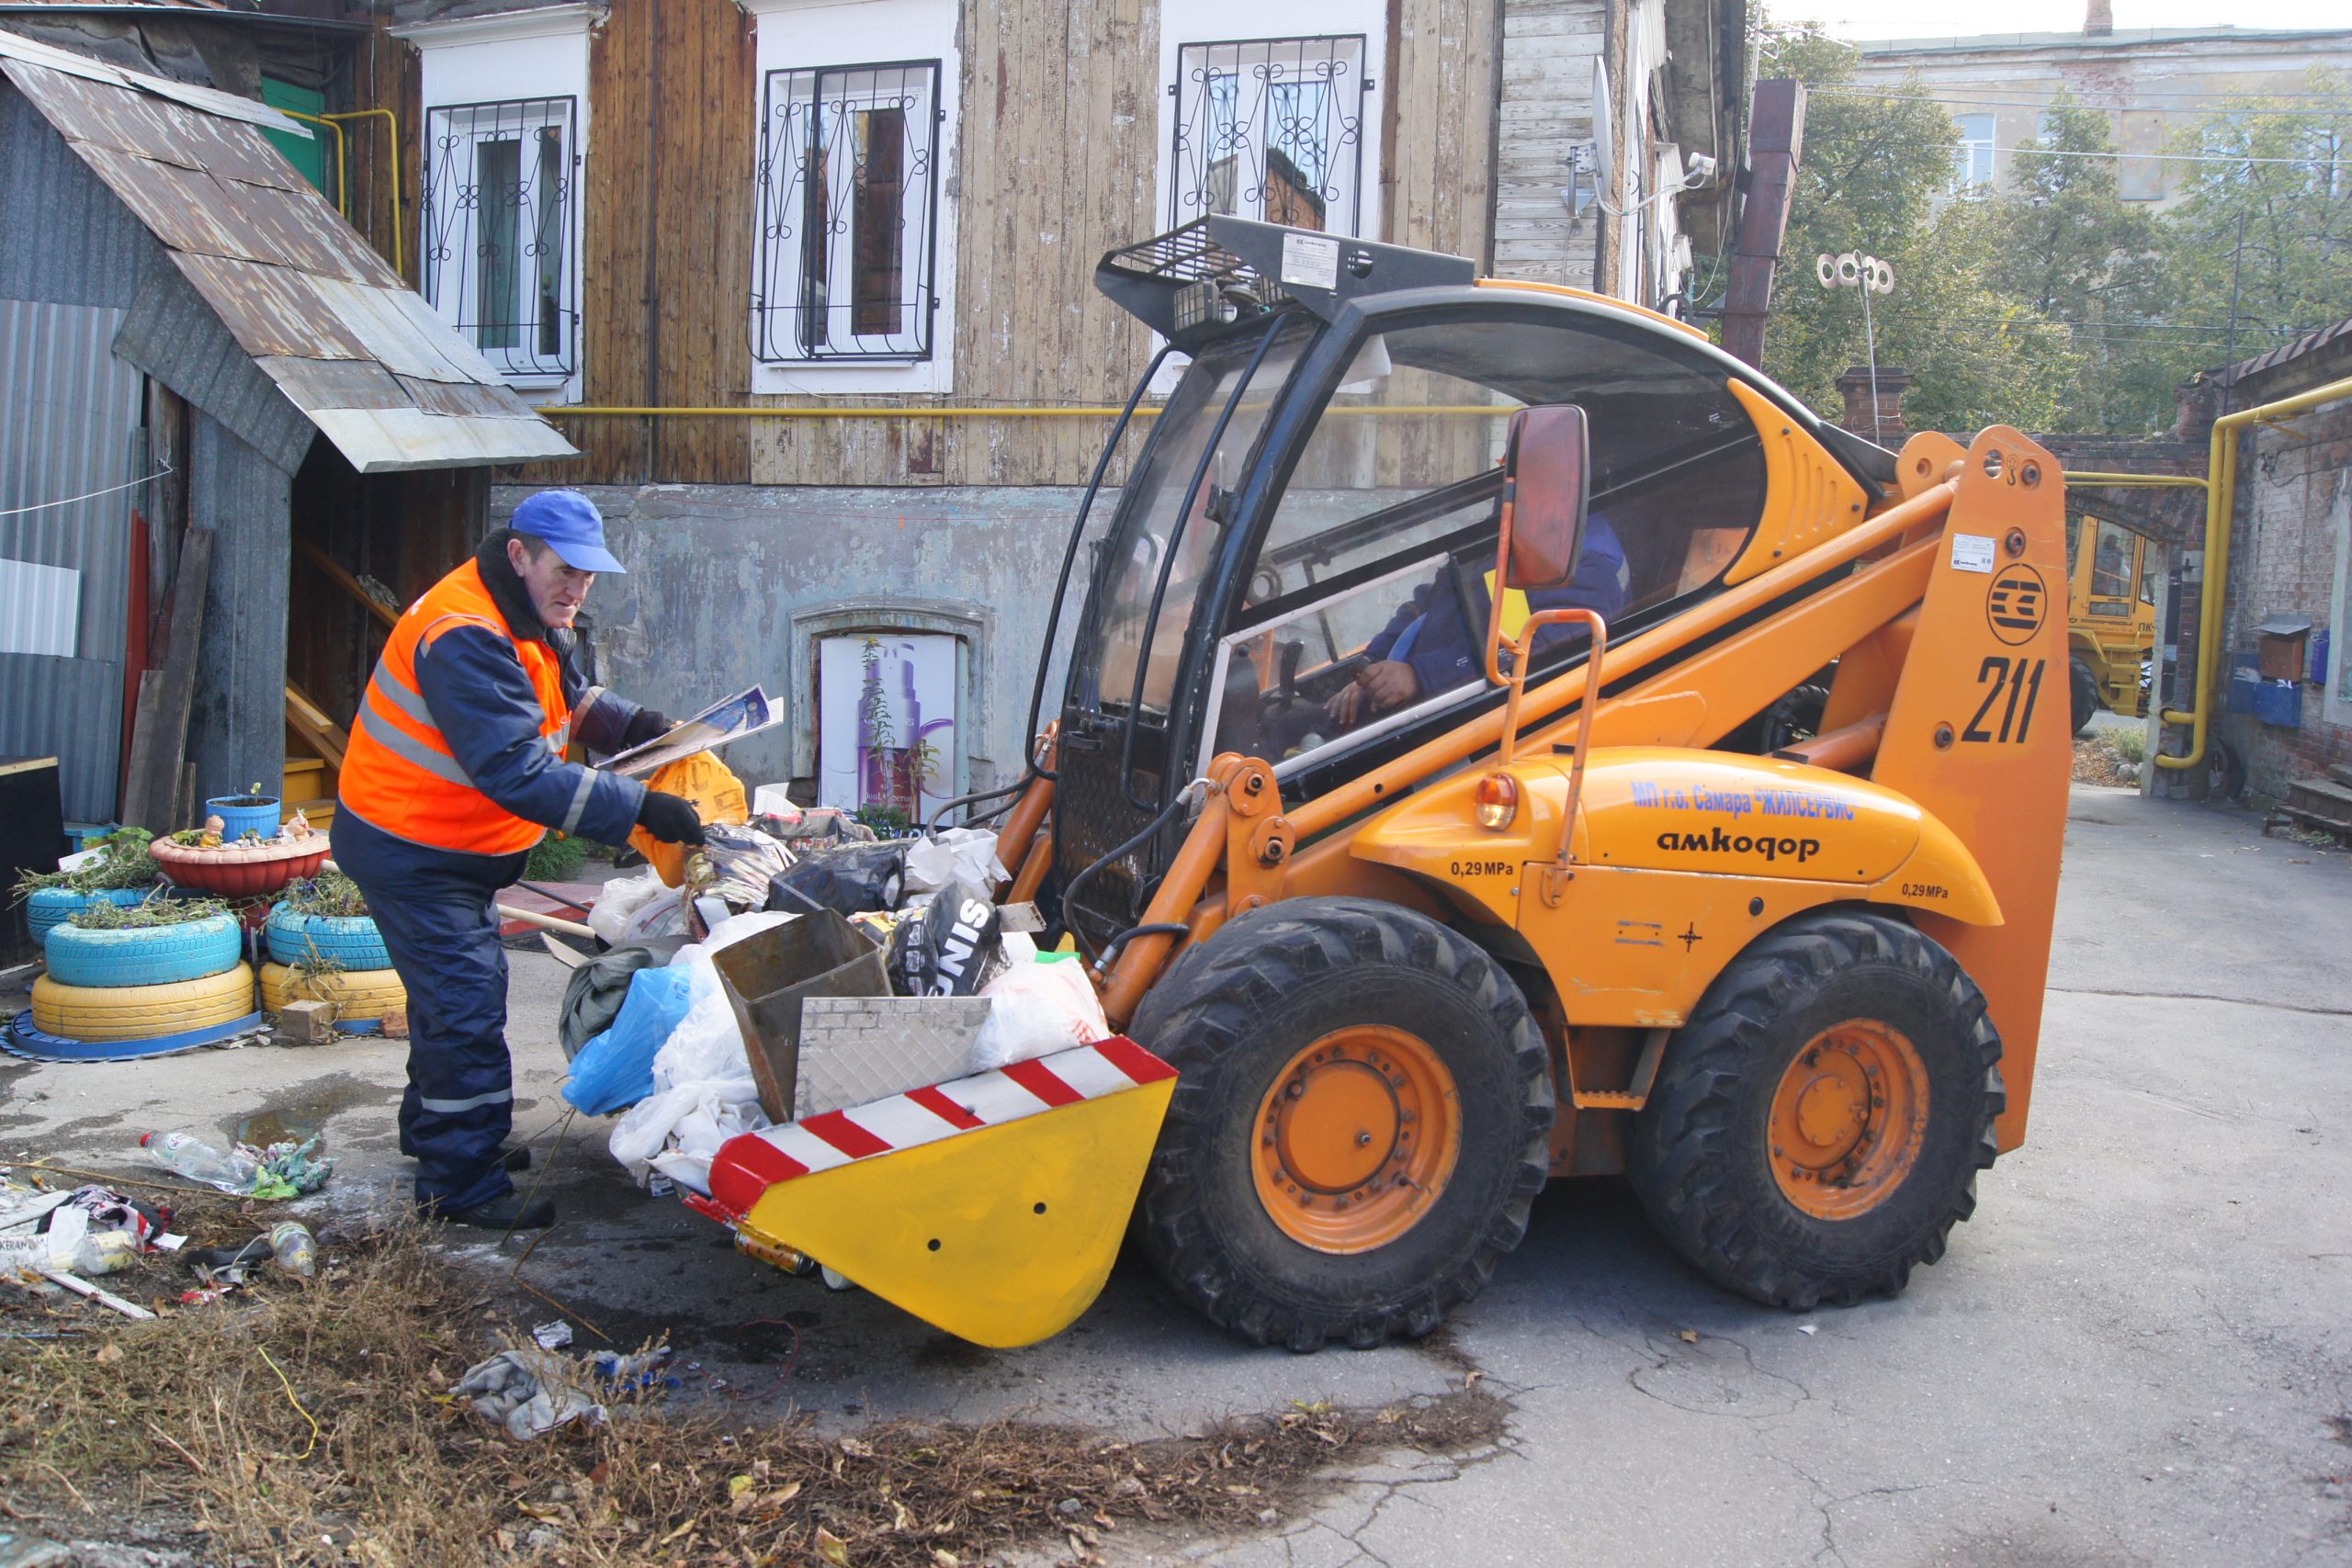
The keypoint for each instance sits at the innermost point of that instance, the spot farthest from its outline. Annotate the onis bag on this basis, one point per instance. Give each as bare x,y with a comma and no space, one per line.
718,797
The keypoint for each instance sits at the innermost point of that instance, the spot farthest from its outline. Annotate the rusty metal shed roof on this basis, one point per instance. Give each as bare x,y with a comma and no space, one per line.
347,342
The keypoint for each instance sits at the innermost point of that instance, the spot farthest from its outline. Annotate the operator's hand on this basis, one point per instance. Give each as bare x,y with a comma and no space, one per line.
651,724
670,817
1377,687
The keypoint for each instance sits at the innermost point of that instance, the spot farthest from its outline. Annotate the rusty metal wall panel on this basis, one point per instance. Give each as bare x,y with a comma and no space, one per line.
92,251
68,409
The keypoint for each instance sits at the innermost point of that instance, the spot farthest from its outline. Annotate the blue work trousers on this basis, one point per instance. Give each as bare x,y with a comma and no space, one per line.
434,908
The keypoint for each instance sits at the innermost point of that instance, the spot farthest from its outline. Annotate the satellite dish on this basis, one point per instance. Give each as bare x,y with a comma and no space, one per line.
1604,134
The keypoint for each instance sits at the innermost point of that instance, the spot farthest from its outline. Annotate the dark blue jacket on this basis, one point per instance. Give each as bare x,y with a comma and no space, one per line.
1445,653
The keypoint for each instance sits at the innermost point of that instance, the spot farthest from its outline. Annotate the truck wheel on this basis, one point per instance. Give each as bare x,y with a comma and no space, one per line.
2085,695
1362,1117
1820,1120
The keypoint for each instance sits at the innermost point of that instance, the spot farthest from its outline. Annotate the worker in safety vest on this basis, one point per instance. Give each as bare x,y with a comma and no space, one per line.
456,769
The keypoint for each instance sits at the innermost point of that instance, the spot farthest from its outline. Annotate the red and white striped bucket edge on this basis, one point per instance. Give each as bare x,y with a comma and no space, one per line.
749,1164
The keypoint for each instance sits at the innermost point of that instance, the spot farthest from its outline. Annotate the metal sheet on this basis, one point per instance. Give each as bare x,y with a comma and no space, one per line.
129,122
274,310
387,441
71,709
336,383
91,249
182,207
465,399
40,608
68,408
173,335
209,100
389,333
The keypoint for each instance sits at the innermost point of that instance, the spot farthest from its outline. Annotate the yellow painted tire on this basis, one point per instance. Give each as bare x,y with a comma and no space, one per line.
359,995
143,1012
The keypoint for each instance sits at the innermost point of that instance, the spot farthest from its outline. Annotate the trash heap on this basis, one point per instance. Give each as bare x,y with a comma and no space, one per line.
799,965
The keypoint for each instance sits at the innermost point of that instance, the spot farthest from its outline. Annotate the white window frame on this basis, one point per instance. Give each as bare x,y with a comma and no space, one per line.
806,35
518,57
1968,149
1184,23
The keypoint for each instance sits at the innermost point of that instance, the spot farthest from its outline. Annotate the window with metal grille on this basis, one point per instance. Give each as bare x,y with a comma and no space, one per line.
849,213
500,254
1271,128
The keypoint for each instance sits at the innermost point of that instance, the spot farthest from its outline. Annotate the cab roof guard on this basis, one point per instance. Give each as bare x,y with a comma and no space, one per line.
1192,283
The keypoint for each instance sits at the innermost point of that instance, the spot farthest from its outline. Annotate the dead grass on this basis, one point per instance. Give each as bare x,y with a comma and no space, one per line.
2098,760
184,1428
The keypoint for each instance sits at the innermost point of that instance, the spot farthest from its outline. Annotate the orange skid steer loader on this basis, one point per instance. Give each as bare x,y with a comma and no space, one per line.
1407,796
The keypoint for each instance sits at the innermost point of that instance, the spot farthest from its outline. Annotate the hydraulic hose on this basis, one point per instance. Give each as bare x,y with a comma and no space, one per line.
1069,892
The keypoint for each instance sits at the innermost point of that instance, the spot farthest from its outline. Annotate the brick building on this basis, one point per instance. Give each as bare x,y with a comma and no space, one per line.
2286,658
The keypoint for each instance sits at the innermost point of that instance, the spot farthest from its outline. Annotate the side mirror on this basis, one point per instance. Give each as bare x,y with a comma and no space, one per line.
1545,474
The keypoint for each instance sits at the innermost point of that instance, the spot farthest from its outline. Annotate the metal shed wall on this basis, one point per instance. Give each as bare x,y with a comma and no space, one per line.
68,409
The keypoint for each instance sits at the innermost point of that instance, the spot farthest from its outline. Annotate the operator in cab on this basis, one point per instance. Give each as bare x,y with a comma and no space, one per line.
456,770
1429,646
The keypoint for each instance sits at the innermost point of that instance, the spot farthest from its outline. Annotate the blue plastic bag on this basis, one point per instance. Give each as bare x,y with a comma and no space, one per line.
615,1070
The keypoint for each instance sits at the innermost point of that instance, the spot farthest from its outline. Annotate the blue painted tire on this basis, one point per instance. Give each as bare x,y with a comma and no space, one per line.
48,907
351,941
144,956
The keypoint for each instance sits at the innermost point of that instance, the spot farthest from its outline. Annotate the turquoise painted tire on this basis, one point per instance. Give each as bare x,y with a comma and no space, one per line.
351,941
48,907
144,956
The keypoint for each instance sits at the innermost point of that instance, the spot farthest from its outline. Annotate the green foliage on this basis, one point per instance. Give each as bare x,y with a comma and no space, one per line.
556,858
888,821
2132,745
158,908
329,894
2052,304
122,862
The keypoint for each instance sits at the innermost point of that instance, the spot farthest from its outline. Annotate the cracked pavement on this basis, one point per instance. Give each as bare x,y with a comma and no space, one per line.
2137,1352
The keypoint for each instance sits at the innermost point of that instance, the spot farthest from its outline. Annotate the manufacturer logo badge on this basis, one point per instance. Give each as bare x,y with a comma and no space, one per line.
2015,604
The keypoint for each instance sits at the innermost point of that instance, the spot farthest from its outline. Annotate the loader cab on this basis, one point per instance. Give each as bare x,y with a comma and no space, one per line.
1300,565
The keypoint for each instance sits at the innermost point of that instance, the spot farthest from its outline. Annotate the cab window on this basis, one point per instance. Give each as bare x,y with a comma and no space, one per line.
1368,600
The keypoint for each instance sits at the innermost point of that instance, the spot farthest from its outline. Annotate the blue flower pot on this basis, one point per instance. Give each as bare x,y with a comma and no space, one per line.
236,821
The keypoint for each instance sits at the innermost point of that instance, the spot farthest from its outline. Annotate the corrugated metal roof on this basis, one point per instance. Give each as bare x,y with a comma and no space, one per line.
2309,343
361,355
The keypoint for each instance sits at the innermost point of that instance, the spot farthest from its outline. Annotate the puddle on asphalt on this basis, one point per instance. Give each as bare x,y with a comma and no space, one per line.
306,1110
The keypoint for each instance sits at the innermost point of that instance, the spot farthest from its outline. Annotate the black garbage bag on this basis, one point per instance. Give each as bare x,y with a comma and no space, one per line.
851,880
951,947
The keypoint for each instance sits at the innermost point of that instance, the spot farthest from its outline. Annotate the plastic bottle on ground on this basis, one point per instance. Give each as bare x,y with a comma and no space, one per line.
292,1244
102,1252
183,1154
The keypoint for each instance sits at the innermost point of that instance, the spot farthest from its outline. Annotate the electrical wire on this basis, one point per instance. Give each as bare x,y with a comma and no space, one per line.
297,1403
93,495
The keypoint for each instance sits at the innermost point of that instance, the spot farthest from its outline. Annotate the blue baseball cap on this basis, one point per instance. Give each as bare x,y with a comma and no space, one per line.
571,524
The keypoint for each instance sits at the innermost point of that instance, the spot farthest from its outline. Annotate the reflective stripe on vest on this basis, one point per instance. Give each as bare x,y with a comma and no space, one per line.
399,773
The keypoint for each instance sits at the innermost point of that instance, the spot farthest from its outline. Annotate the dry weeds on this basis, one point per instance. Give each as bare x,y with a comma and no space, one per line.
183,1429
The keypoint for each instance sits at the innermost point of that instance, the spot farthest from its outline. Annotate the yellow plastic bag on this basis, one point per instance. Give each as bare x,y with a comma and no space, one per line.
718,797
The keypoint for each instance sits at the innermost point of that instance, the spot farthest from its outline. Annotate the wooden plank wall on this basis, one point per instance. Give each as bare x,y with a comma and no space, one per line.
385,171
1056,161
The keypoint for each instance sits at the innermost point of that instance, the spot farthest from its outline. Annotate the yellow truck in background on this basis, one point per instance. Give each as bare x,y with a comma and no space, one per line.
2111,617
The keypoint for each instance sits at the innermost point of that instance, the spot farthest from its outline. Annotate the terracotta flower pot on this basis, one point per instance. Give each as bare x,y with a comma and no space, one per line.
243,870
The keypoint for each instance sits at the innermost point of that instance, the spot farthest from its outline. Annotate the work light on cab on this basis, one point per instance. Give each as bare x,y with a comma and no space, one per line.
1498,801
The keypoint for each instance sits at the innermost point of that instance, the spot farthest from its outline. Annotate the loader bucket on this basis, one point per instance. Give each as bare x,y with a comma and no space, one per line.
989,1206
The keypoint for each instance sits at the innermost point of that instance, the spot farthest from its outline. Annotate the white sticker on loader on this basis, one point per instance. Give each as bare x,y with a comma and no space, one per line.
1310,261
1971,552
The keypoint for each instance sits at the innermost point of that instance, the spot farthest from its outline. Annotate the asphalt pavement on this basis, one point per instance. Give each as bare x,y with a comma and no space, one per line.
2137,1352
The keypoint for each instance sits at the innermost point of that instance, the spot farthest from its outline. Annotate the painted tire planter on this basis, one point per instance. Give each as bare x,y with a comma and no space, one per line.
48,907
143,955
351,941
358,995
240,870
142,1012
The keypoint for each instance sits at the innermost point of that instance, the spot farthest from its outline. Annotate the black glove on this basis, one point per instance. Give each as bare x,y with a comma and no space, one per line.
670,817
648,724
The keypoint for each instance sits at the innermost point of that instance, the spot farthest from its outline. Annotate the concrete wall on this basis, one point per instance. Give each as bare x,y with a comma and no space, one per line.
718,572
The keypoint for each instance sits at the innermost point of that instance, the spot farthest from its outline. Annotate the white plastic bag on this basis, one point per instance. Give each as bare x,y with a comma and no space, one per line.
1039,1008
700,1071
967,852
621,899
664,914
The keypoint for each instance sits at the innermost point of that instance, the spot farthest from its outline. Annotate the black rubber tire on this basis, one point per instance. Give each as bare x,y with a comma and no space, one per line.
1701,1158
1797,716
2225,772
1232,1013
2083,684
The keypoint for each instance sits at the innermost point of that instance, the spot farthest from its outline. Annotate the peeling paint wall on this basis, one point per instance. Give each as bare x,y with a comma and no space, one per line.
716,572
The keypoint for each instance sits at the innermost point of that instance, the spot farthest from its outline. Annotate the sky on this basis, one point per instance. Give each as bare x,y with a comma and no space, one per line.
1909,18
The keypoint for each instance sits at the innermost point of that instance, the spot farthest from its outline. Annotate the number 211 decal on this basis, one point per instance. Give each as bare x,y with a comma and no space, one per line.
2020,681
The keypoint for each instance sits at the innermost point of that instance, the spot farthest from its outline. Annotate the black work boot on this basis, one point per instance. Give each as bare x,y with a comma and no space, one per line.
508,1213
515,1156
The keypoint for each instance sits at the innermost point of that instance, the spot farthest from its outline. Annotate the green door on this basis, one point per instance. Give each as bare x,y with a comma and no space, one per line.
308,154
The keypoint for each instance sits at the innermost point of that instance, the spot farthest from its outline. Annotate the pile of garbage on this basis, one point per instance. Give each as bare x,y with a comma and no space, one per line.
664,1031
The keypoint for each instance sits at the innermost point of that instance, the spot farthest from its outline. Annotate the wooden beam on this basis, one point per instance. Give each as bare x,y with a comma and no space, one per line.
335,574
159,735
315,729
1775,142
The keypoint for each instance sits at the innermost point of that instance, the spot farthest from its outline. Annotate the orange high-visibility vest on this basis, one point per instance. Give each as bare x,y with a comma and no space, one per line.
399,774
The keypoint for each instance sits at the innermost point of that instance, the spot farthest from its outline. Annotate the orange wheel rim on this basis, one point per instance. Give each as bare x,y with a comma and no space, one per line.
1849,1119
1356,1139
